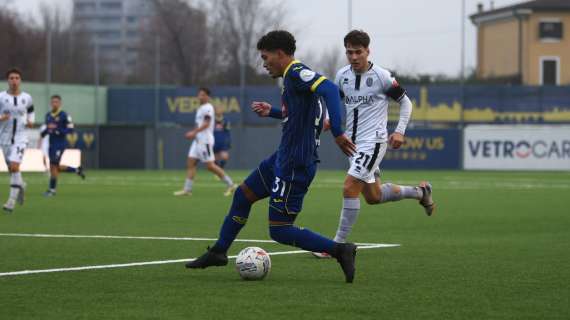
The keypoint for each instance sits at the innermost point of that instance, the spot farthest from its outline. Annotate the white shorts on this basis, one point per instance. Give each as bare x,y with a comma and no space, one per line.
14,152
201,151
366,160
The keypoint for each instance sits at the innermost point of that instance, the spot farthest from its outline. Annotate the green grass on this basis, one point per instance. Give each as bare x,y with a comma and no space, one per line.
497,248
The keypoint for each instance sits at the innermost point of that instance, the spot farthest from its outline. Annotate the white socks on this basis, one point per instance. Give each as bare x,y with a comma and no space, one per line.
189,182
348,216
16,183
228,180
188,185
392,192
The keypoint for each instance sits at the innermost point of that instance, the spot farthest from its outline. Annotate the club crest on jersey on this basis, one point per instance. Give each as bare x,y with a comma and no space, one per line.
307,75
369,82
345,81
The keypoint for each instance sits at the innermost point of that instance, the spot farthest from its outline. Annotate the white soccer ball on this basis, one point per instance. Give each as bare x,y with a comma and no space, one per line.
253,263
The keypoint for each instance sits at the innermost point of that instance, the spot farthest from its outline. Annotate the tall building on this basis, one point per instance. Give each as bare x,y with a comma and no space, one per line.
115,27
526,43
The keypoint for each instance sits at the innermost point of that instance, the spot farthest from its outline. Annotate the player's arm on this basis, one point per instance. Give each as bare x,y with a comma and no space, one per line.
205,125
327,122
31,115
398,94
5,115
264,109
330,93
44,131
66,125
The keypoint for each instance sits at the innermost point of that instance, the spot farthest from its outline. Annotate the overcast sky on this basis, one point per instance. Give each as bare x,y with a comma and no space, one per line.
411,36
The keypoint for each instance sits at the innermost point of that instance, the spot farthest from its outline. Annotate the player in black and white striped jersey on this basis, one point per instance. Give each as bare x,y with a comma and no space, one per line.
16,113
366,89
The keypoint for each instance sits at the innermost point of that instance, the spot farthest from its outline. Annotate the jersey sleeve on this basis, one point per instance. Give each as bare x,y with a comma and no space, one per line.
209,112
305,79
66,124
390,86
337,80
30,111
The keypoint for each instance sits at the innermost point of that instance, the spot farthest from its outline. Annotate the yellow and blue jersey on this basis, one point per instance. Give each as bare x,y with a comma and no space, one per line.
302,117
222,136
58,125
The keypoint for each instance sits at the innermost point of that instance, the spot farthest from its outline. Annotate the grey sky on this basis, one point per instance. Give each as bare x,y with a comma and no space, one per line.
412,36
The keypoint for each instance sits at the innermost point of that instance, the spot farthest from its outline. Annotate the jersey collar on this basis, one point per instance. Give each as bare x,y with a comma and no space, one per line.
370,65
53,114
289,66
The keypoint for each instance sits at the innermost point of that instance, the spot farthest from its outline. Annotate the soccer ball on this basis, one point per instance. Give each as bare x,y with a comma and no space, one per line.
253,263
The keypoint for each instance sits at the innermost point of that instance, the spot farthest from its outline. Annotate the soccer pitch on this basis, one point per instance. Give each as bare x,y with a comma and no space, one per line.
497,248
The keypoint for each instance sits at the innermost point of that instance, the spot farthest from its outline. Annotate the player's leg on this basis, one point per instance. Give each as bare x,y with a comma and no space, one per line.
17,185
254,187
350,207
69,169
360,173
54,174
55,157
77,170
285,203
209,159
191,166
377,193
220,173
222,157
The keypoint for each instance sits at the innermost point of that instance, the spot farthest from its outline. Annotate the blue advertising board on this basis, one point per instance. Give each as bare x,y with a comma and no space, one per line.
82,138
426,149
445,103
179,105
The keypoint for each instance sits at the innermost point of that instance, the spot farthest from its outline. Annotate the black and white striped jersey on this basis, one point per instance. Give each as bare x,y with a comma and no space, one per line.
365,97
20,108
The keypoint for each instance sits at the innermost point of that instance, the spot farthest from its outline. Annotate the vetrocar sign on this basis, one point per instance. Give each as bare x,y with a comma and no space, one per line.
517,147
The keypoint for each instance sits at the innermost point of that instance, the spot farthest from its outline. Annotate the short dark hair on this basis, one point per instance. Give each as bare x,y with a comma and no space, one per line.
206,90
357,38
56,96
13,70
278,40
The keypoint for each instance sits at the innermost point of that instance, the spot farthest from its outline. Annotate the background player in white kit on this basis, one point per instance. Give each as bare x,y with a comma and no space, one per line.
16,113
43,145
202,148
365,89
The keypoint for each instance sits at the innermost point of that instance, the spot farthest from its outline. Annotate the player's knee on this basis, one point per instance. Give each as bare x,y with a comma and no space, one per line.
247,193
280,233
351,188
240,200
14,167
211,165
396,190
373,199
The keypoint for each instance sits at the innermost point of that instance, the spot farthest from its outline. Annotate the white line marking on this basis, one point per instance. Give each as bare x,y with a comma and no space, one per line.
146,263
42,235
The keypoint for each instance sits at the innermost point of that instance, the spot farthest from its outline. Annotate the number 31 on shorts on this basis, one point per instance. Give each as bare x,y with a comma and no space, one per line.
279,185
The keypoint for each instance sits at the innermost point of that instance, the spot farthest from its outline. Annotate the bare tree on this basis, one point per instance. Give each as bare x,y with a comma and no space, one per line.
182,31
328,63
71,54
237,26
22,45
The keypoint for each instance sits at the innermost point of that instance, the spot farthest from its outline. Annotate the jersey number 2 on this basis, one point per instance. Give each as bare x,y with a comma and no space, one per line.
361,155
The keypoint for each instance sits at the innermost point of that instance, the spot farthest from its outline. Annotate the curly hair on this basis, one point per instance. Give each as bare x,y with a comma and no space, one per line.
278,40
